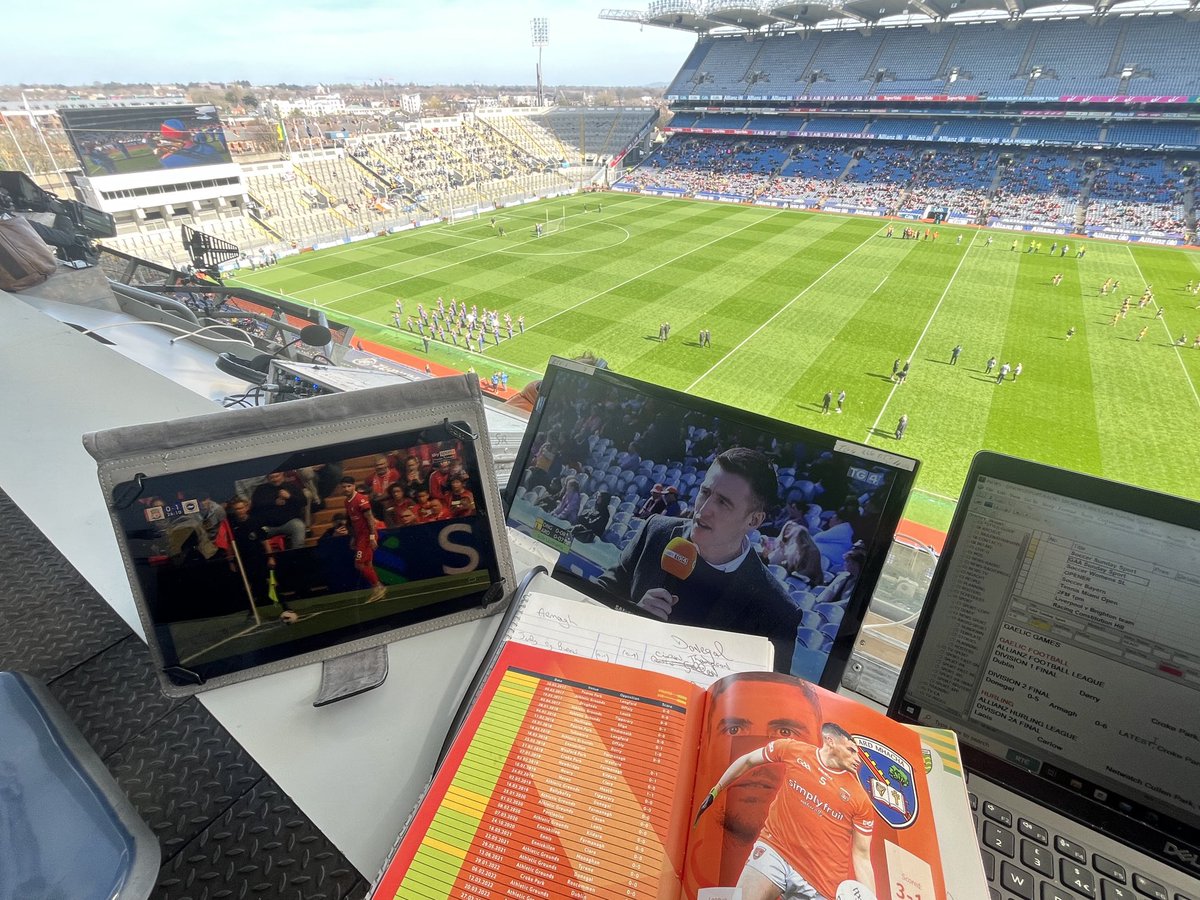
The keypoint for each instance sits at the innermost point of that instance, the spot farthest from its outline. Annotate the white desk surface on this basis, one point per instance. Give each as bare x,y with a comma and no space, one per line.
356,767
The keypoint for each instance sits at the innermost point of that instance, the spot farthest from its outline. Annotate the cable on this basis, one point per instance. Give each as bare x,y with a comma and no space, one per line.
248,342
184,337
875,626
255,393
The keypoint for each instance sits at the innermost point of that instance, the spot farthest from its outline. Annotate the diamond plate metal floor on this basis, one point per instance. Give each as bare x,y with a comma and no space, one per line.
226,829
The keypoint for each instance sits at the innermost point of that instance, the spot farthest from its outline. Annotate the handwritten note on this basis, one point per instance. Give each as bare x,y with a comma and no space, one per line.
700,655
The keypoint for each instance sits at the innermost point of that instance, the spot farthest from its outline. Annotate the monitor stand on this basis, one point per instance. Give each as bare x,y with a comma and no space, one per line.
355,673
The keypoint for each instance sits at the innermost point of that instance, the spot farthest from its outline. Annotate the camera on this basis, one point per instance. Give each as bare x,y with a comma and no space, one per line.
75,224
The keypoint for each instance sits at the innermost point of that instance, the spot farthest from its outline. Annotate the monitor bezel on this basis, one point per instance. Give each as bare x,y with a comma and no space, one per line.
877,550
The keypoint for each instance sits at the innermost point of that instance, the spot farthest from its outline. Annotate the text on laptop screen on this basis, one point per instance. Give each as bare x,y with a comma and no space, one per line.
1066,641
700,514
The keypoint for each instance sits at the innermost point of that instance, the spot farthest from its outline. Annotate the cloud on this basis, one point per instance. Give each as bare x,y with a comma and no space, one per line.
271,41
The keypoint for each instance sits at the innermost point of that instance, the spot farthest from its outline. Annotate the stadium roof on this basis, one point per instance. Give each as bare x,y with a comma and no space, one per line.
766,17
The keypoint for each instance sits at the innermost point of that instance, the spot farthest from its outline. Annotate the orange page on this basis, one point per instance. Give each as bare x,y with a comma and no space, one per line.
810,814
562,783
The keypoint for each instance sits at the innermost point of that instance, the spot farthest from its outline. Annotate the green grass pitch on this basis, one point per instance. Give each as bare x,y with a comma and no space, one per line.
801,303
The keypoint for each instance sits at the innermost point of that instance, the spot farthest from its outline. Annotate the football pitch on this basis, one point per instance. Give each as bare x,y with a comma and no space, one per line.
802,303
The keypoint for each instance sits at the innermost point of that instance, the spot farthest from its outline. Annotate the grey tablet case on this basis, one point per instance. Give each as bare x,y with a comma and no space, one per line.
137,460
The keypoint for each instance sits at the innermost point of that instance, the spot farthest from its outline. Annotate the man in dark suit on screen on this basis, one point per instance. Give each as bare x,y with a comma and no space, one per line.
702,570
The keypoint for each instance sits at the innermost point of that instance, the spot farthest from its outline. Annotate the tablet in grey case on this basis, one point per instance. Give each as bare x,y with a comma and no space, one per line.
263,539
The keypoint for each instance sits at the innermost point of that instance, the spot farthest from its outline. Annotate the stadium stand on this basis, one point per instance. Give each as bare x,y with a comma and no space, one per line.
957,179
835,125
597,136
1122,55
1059,132
1027,123
368,180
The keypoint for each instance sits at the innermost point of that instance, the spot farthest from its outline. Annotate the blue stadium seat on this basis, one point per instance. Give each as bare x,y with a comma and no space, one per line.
830,612
812,620
803,599
810,638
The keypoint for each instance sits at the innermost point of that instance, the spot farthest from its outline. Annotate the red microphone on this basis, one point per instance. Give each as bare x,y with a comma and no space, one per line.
679,558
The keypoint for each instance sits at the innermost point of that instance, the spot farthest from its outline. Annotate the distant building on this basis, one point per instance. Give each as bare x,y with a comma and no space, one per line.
320,105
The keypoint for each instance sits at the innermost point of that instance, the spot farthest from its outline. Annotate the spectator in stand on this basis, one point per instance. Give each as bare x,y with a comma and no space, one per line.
798,553
278,506
401,510
569,503
593,521
413,478
460,500
382,477
655,504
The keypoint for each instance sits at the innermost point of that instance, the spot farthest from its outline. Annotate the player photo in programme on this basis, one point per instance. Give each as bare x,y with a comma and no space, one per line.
745,711
818,825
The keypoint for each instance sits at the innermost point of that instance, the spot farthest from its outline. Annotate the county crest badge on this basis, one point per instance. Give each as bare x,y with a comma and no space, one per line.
888,779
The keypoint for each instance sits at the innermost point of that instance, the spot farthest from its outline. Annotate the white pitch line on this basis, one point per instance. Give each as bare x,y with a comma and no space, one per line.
924,331
929,493
878,286
384,287
648,271
1170,339
784,309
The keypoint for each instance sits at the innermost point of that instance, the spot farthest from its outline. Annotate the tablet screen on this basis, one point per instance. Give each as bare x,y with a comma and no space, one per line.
249,563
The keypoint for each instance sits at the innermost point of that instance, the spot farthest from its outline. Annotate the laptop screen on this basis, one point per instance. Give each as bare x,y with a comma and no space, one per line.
1061,640
697,513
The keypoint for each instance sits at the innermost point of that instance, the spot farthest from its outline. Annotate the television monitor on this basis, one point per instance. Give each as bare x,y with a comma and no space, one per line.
669,505
134,139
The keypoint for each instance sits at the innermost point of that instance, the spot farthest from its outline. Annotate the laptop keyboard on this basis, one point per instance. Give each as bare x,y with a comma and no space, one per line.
1025,861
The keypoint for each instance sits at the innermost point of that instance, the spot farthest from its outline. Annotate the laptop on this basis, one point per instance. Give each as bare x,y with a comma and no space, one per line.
1061,640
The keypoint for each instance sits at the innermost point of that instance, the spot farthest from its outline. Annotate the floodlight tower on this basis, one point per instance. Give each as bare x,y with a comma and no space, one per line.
541,37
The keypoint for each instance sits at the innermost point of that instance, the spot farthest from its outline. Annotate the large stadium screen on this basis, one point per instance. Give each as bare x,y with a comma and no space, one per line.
128,140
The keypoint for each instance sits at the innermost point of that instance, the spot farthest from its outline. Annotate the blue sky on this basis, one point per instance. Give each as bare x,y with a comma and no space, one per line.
310,41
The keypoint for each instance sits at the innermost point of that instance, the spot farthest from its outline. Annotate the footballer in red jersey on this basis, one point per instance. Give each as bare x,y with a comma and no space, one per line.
364,536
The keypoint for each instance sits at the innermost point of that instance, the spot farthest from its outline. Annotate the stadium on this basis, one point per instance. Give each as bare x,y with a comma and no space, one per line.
930,226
